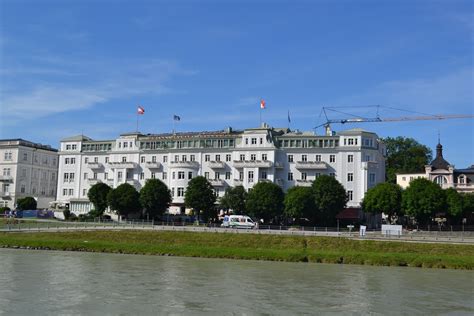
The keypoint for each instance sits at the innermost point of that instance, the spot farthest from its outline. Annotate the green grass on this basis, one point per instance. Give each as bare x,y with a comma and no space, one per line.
252,246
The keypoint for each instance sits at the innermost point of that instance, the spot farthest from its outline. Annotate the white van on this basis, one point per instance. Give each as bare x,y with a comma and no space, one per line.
238,221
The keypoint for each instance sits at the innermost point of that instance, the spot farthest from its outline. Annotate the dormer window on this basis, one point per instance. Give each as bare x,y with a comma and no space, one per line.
462,179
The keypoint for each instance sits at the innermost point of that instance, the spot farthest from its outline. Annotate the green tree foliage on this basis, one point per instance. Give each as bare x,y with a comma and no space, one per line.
26,203
234,199
124,199
265,201
330,198
299,203
98,196
200,197
423,199
155,198
384,198
468,204
405,155
454,203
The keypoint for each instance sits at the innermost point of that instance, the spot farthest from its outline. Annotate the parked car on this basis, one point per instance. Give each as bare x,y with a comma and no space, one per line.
238,221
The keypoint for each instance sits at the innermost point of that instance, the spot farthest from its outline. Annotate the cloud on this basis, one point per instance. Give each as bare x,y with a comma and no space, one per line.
64,85
448,93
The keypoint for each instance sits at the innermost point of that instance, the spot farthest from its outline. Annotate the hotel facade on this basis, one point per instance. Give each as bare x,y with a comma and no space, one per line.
227,158
27,169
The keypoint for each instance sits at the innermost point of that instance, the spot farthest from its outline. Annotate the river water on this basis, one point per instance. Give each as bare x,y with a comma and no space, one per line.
72,283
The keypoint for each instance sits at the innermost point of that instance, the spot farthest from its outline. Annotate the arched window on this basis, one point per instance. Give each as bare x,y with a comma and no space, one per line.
440,180
462,179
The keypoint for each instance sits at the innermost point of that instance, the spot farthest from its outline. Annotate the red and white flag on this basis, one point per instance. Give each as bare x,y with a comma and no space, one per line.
262,104
140,110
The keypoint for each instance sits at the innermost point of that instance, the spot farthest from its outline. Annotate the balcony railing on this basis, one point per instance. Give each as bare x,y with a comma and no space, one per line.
279,165
217,182
311,165
184,164
95,165
252,163
304,183
93,181
153,165
122,165
216,164
6,178
238,182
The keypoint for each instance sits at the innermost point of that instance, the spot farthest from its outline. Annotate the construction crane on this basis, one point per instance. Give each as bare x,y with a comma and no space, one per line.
377,118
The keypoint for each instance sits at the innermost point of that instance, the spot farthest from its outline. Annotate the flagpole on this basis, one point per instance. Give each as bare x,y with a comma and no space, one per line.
260,116
137,121
174,125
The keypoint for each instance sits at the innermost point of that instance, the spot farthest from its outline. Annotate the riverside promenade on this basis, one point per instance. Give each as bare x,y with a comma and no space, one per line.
452,237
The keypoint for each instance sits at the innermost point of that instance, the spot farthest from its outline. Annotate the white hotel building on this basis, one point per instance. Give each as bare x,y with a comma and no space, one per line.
227,158
27,169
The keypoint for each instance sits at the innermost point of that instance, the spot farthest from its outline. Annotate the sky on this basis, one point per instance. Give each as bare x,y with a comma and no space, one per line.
82,67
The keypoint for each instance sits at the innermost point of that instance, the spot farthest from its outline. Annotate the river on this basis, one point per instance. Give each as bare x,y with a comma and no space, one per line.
72,283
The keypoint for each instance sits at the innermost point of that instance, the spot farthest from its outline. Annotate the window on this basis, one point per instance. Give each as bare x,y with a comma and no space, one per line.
153,175
119,175
66,177
261,140
350,195
180,191
125,145
404,178
124,159
332,174
8,155
217,192
253,157
372,178
217,176
227,175
254,141
290,158
180,174
64,192
165,175
176,158
153,158
246,141
184,158
206,175
242,157
173,175
165,158
263,175
106,175
241,175
142,175
290,176
68,147
85,175
264,157
142,159
462,179
440,180
250,176
318,158
350,177
120,145
66,161
218,157
73,161
53,175
106,159
304,158
207,158
22,188
172,191
71,191
332,158
84,192
25,156
228,157
96,159
304,176
350,158
192,158
6,171
190,175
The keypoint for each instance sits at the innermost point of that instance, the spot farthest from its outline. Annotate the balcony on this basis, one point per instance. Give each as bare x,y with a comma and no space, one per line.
252,163
217,182
122,165
153,165
6,178
311,165
238,182
184,164
92,181
304,183
6,194
216,164
95,165
279,165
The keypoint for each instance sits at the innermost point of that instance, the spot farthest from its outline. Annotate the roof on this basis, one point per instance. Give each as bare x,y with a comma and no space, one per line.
26,143
77,138
354,131
439,162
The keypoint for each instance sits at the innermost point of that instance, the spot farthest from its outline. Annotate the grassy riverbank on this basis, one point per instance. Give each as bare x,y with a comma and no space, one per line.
251,246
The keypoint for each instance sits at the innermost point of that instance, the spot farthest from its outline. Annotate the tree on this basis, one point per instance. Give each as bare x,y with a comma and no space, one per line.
265,201
299,202
330,198
26,203
468,204
200,197
422,199
234,199
124,199
405,155
384,198
98,196
155,198
454,203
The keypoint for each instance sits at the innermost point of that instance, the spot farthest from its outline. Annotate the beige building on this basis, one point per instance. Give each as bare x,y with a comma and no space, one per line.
27,169
443,173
